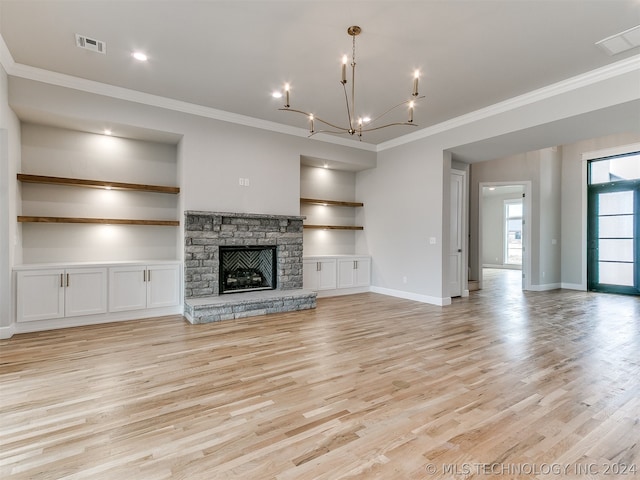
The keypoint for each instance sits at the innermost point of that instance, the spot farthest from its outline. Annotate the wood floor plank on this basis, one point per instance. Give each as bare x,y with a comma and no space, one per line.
364,386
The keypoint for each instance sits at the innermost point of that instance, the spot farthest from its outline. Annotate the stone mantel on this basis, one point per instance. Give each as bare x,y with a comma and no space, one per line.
244,215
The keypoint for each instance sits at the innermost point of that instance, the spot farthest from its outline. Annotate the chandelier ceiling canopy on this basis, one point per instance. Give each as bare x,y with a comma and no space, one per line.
356,125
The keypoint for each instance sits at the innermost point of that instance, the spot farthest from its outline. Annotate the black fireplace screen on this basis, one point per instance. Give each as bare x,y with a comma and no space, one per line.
246,268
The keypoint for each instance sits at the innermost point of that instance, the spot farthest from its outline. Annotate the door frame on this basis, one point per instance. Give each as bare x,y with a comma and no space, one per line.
592,235
463,222
526,229
586,157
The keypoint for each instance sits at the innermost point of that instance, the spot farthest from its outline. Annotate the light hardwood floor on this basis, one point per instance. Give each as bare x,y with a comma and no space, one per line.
502,384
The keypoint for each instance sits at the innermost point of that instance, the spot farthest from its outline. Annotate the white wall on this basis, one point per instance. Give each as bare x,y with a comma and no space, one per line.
9,234
550,238
403,198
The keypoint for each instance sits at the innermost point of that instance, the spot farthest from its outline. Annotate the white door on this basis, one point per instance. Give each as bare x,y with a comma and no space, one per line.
327,275
127,288
310,274
40,294
346,272
163,286
456,239
363,272
85,291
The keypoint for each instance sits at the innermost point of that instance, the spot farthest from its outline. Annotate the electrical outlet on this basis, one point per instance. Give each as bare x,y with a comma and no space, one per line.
241,181
246,182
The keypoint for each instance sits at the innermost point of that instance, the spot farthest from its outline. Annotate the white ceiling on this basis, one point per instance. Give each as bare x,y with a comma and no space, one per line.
230,55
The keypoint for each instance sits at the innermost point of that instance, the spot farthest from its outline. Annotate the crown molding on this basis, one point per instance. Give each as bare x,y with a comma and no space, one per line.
612,70
6,59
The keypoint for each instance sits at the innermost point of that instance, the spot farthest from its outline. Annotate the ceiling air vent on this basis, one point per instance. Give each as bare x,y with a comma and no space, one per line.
92,44
621,42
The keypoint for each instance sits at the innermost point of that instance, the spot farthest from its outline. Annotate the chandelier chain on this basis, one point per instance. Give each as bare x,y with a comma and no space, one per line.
353,55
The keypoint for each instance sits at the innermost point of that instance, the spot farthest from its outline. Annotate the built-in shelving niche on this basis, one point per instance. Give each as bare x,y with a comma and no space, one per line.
86,183
332,203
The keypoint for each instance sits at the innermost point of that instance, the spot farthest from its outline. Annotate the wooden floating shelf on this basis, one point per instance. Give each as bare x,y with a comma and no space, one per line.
79,182
103,221
333,203
333,227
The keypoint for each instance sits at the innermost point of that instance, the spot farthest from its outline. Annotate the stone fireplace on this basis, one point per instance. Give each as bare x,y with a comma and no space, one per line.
212,236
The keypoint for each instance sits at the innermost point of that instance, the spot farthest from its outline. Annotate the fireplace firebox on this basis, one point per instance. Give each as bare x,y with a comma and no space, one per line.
247,268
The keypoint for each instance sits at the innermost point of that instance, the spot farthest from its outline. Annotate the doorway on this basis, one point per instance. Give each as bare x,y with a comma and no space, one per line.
613,224
503,220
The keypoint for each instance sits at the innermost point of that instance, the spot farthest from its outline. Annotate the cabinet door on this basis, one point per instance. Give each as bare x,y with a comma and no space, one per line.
362,272
85,291
127,288
163,286
310,274
40,295
346,272
327,275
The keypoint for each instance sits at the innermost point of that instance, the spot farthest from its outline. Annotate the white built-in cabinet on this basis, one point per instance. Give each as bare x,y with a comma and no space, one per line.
60,292
354,272
56,296
319,273
135,287
337,274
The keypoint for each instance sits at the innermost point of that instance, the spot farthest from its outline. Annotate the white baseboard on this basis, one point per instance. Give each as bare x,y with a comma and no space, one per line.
57,323
574,286
413,296
544,288
502,266
7,332
342,291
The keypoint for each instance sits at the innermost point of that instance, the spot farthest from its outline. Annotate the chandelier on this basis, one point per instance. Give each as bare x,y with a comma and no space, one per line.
359,125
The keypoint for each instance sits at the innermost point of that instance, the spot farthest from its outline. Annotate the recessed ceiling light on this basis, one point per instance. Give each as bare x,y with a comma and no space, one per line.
139,56
276,94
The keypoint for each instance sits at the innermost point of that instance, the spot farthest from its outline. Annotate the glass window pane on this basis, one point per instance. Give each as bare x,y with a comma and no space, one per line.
625,168
514,225
599,172
616,273
514,209
615,250
616,203
615,227
614,169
